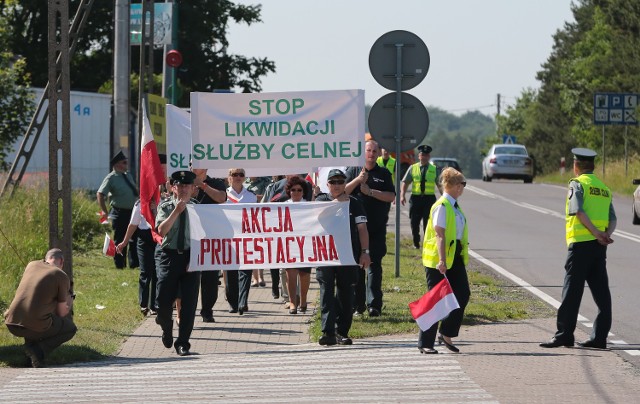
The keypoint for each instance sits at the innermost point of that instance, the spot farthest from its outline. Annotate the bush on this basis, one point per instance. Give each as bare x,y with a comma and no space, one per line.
24,227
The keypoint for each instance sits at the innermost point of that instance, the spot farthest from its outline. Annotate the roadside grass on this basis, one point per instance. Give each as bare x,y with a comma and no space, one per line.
105,312
492,298
614,177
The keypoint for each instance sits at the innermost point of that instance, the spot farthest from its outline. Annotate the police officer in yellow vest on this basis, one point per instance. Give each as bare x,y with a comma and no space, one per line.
446,252
590,221
386,161
422,177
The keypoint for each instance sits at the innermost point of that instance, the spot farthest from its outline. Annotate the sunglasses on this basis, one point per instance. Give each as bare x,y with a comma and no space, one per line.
464,183
237,175
295,190
338,182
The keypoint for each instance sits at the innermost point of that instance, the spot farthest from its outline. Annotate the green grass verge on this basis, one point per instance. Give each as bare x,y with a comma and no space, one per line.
105,312
614,177
492,298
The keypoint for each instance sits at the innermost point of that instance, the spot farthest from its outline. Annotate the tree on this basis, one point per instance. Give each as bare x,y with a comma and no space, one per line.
203,27
16,102
598,52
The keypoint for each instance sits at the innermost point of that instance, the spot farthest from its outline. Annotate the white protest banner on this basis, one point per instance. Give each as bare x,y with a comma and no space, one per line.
178,139
269,235
267,133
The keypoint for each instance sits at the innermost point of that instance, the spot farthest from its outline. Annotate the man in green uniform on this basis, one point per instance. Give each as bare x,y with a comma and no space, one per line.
172,223
422,178
120,188
590,221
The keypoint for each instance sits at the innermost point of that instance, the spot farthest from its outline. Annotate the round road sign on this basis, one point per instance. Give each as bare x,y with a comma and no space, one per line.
382,122
383,58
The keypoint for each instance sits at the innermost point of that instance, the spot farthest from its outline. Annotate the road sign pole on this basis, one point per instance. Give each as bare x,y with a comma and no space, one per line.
398,148
604,159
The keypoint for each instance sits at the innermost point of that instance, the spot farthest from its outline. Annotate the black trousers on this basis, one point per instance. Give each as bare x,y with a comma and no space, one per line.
120,219
208,291
146,249
450,325
174,281
237,285
586,262
336,296
62,330
419,209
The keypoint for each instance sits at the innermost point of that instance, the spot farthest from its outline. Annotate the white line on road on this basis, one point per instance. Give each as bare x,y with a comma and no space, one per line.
539,209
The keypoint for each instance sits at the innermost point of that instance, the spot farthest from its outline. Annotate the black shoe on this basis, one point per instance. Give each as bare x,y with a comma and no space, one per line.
276,295
416,246
232,310
167,339
293,311
554,343
343,340
243,310
592,344
144,311
373,312
449,346
263,284
327,340
208,319
427,350
357,313
182,350
35,354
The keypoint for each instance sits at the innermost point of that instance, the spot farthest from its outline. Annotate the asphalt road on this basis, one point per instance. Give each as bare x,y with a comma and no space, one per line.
520,227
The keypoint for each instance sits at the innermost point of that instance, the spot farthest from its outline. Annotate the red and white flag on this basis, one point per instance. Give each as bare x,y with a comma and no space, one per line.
104,219
151,175
435,305
109,247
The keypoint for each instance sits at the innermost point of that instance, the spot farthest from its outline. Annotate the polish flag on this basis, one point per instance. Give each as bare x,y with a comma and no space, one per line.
104,219
109,247
435,305
151,175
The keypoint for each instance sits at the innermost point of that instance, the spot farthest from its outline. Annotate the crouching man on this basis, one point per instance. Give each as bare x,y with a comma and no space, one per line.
39,311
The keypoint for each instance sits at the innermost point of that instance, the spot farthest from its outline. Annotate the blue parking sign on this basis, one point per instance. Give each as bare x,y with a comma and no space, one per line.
615,108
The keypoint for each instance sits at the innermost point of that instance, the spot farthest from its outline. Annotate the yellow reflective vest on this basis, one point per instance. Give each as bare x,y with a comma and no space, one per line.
430,180
596,203
390,165
430,257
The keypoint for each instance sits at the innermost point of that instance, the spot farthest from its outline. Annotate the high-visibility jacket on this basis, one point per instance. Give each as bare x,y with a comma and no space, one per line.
430,256
389,165
596,203
430,179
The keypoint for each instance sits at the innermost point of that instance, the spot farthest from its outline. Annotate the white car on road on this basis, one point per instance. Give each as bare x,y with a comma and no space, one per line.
509,161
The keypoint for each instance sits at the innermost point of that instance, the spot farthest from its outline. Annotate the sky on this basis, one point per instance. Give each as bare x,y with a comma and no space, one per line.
478,48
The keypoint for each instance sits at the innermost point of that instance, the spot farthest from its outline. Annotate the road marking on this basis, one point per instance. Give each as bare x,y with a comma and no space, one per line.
539,209
368,371
540,294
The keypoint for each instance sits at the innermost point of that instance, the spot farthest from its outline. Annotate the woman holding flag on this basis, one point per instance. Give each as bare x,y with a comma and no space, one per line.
445,254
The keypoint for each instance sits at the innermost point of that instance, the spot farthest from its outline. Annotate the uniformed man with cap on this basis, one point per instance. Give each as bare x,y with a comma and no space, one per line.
337,283
172,223
590,221
422,178
122,192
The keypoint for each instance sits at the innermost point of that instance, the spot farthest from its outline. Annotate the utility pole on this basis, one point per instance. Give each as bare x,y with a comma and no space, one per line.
498,104
121,70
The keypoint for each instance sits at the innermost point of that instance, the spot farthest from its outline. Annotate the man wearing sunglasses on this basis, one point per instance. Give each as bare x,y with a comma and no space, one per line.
373,186
336,283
